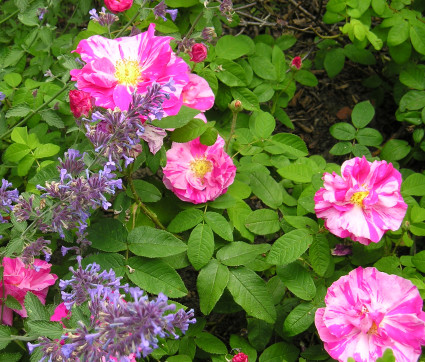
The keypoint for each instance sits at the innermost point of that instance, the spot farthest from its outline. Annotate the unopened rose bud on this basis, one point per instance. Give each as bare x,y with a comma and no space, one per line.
118,6
80,103
297,62
198,53
240,357
236,106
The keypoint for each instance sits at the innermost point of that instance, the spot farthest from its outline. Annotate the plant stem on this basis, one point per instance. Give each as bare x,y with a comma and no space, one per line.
131,20
232,129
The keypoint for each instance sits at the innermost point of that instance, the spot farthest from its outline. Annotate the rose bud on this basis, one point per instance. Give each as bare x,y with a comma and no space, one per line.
198,53
80,103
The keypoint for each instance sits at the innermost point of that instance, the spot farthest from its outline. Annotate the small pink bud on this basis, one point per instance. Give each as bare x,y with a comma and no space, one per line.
118,6
198,53
80,103
297,62
240,357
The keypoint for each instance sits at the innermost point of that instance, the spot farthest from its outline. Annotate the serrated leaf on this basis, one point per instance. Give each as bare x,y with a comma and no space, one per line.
211,282
185,220
108,235
12,303
289,247
13,79
266,189
35,309
20,110
107,261
53,330
155,276
250,292
369,137
343,131
341,148
219,225
263,222
200,246
52,118
240,253
16,151
154,243
298,280
4,336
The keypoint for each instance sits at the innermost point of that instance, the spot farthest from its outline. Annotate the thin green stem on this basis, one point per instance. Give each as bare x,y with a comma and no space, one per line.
45,104
8,17
232,129
131,20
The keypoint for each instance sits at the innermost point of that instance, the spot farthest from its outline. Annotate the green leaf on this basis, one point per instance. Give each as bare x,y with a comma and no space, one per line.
53,330
362,114
11,357
417,37
301,170
398,33
46,150
343,131
263,222
358,55
185,220
413,76
250,292
334,61
341,148
388,356
319,253
395,150
249,99
237,215
230,73
13,79
417,229
12,303
241,344
288,144
412,100
52,118
5,334
286,41
211,282
279,352
305,77
219,225
299,319
209,137
259,333
262,124
190,131
20,135
20,110
13,57
240,253
145,190
278,60
154,243
369,137
417,214
266,189
263,67
107,261
298,280
155,276
15,152
233,47
302,222
289,247
108,235
210,343
25,165
34,308
185,115
379,6
181,3
200,246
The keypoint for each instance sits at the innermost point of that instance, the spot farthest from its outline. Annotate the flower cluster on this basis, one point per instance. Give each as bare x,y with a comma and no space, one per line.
19,279
161,10
72,197
122,326
103,18
364,202
7,198
368,311
40,246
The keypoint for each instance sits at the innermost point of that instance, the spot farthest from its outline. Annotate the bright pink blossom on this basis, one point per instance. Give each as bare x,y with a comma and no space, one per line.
240,357
363,203
368,311
19,279
60,312
115,68
198,94
117,6
197,173
198,53
80,103
297,62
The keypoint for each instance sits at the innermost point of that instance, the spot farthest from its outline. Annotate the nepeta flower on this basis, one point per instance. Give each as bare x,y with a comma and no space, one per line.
341,250
161,10
197,173
35,249
368,311
104,18
363,203
7,198
226,9
2,96
116,68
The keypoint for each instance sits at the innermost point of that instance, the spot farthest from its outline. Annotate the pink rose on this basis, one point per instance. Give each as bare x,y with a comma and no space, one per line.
368,311
297,62
198,53
197,93
118,6
80,103
363,203
240,357
19,279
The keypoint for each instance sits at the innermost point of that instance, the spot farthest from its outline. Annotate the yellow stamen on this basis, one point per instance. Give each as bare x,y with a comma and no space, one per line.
128,72
373,329
200,166
358,197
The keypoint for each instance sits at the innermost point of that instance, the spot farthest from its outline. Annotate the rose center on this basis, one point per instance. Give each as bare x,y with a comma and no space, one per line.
373,329
358,197
200,166
127,72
